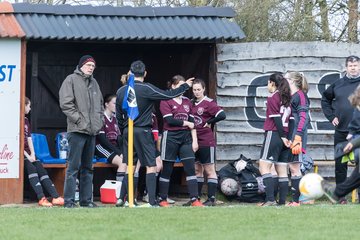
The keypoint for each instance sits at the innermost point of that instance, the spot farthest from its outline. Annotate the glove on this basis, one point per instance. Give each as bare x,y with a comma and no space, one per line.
296,145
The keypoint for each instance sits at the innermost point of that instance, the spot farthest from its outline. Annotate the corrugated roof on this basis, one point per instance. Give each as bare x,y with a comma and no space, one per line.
9,27
66,22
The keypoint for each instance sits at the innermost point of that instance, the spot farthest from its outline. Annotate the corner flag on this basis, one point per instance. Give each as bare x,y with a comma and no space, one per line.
130,106
129,102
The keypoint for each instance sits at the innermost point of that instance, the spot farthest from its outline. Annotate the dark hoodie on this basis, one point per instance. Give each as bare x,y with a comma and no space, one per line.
335,101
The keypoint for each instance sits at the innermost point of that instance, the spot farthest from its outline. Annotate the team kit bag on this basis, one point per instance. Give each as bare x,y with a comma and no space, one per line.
241,180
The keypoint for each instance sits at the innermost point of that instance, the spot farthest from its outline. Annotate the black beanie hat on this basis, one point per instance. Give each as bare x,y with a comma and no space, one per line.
84,59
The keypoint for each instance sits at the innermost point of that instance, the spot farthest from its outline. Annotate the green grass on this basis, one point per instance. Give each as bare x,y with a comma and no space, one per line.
245,222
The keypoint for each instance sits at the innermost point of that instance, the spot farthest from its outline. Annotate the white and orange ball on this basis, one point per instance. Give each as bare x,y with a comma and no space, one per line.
310,186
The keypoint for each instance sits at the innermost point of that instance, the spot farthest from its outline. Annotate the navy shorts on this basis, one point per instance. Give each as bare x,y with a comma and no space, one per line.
205,155
143,146
273,149
176,144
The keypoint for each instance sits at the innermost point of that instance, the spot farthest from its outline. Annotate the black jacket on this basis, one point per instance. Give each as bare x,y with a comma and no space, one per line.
146,95
354,125
335,101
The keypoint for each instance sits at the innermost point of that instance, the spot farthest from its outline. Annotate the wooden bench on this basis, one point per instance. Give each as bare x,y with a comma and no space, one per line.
57,173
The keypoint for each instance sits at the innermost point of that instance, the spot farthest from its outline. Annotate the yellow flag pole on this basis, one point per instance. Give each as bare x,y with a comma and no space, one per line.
130,162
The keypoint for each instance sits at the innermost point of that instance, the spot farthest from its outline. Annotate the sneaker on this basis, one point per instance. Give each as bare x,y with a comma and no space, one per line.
58,201
70,205
306,201
342,201
269,204
164,203
329,191
89,205
209,203
170,201
187,204
293,204
148,205
145,198
43,202
120,203
197,203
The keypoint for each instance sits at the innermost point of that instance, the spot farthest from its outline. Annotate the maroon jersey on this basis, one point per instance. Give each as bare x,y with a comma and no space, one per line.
27,135
178,111
275,109
110,129
203,111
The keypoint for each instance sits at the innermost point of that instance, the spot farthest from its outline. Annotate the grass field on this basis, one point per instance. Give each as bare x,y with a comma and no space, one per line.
245,222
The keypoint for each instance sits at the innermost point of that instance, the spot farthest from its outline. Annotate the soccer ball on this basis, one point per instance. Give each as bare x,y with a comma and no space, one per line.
310,186
229,186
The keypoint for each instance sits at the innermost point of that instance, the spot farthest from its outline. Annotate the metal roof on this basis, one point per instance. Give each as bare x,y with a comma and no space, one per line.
66,22
9,27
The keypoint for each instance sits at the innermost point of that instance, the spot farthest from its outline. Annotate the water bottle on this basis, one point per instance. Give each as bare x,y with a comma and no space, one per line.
64,145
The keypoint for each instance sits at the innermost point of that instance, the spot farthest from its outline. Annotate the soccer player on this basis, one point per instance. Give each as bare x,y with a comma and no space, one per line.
206,113
352,182
38,177
300,111
109,144
108,141
146,95
179,140
276,144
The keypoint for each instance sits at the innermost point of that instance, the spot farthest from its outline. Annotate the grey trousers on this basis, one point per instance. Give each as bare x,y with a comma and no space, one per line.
81,154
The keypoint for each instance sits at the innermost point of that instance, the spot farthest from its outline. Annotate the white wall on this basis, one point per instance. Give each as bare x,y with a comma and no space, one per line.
10,55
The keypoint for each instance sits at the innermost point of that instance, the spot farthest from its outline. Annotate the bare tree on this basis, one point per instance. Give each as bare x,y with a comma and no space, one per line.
353,6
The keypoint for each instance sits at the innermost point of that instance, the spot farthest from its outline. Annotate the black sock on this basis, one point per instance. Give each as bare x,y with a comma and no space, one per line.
49,186
151,187
276,185
269,187
295,188
136,181
212,185
157,183
192,184
200,181
163,188
35,184
124,187
283,189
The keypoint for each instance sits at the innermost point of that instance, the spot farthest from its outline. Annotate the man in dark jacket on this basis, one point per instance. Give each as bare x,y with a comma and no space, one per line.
335,193
81,101
146,95
338,110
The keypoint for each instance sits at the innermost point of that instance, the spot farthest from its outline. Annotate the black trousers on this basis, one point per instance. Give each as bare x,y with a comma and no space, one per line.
340,168
349,184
